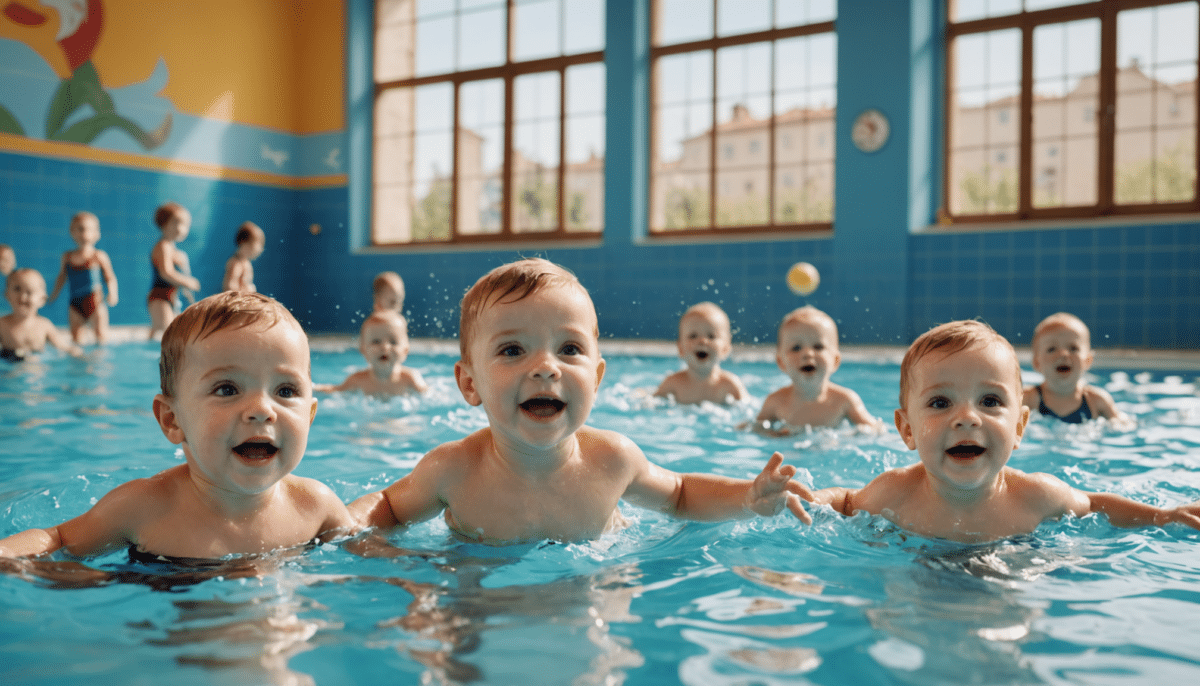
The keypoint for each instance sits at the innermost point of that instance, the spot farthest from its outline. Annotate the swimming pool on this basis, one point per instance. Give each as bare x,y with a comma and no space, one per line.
759,602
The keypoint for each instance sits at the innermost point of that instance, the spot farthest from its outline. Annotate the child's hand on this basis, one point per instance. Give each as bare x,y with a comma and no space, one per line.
1184,514
773,489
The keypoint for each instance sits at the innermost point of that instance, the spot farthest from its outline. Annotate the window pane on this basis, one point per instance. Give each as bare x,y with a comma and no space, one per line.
412,164
481,38
480,156
742,16
805,104
800,12
984,124
1066,96
537,24
536,111
743,130
584,179
966,10
583,29
683,124
394,34
680,21
1154,155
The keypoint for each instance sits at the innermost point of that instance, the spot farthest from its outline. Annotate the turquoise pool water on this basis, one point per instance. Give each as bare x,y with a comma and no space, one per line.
846,601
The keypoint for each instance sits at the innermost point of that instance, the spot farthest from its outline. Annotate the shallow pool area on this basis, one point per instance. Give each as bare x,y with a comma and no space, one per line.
768,601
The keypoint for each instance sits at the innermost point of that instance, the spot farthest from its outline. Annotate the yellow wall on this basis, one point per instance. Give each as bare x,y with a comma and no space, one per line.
278,64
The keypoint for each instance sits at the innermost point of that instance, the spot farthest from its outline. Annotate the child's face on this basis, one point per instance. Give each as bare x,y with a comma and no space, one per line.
1061,353
252,249
85,232
8,262
26,293
242,407
177,227
807,351
964,415
703,339
386,298
383,345
535,366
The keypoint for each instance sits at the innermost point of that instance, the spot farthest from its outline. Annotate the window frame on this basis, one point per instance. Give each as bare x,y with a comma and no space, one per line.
508,73
713,44
1026,22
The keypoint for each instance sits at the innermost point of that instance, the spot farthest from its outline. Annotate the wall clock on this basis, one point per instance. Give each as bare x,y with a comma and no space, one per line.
870,130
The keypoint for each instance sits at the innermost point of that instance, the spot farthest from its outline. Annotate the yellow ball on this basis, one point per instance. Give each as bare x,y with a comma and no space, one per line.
803,278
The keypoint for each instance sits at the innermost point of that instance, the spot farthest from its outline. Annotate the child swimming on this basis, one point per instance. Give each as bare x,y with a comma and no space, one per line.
705,340
961,410
171,268
383,341
24,332
807,351
236,395
239,268
388,292
529,343
1062,353
89,271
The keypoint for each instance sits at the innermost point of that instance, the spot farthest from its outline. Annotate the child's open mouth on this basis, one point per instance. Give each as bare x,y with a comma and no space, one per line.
809,368
701,355
965,452
1063,369
543,407
256,450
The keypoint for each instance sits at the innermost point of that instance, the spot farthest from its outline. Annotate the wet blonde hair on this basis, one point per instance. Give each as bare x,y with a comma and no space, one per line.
510,283
1061,319
711,309
947,339
384,317
82,215
390,280
227,310
808,313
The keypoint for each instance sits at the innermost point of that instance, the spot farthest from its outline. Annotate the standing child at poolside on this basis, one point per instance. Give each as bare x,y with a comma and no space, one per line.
530,356
88,271
807,351
388,289
171,268
704,341
236,395
961,410
24,331
239,269
1062,352
383,341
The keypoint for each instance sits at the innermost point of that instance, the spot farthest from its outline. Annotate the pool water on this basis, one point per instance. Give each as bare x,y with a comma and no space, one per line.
845,601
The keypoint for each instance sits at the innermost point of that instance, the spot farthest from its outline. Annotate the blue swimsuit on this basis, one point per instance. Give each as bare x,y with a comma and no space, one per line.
1079,416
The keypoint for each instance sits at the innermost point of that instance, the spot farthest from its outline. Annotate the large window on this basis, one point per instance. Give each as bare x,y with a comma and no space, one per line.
1064,108
489,120
744,95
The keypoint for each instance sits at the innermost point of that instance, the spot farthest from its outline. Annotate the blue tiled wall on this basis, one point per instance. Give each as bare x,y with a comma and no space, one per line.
39,196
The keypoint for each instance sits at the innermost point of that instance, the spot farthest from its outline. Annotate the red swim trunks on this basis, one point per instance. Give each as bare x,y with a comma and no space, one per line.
162,293
86,305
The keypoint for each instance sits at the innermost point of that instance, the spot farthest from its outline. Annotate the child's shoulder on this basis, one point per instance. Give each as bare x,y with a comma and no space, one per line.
1043,492
596,442
842,393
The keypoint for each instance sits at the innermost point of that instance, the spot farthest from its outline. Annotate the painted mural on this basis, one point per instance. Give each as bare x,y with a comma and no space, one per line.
252,86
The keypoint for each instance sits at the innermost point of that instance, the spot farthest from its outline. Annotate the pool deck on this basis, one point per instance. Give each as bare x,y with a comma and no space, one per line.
1106,358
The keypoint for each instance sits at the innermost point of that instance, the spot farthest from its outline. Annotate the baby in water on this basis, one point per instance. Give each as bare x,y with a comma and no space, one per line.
806,349
705,340
530,356
961,410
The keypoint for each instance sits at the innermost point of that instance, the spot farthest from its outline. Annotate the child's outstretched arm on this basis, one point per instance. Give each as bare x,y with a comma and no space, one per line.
104,527
110,277
60,281
1126,513
708,497
60,340
414,498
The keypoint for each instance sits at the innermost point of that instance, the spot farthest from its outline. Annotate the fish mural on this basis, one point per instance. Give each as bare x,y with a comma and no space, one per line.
65,33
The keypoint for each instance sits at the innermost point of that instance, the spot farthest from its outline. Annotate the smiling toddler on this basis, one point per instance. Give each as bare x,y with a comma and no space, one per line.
236,395
705,340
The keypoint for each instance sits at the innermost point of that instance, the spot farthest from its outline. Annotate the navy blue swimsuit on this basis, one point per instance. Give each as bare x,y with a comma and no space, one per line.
1079,416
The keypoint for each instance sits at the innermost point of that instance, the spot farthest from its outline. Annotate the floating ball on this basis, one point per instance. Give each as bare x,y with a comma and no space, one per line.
803,278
